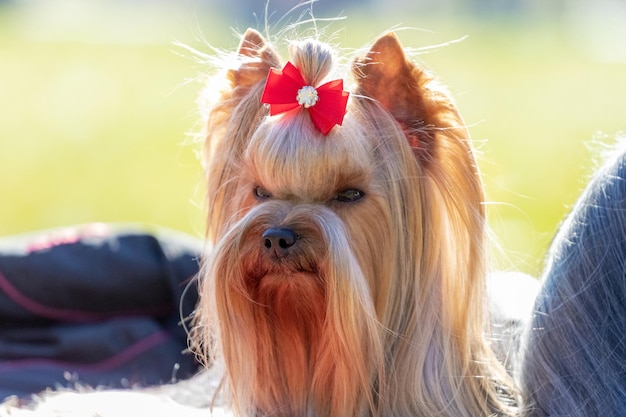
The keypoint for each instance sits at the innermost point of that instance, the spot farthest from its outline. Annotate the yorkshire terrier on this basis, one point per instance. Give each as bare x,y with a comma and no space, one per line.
345,274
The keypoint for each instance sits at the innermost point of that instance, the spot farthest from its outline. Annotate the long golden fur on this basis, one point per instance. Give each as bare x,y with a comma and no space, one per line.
380,307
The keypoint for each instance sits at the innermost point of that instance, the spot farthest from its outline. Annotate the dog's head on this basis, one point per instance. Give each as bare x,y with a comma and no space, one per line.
346,269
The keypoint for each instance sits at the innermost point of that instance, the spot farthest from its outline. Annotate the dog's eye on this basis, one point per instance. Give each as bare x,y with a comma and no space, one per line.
349,195
261,193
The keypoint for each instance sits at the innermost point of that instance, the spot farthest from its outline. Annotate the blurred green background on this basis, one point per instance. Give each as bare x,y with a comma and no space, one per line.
97,103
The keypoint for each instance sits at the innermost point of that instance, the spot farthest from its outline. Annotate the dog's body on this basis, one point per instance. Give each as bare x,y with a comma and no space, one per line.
346,274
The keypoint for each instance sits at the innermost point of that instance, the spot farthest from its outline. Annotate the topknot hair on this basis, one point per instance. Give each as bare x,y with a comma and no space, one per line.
314,59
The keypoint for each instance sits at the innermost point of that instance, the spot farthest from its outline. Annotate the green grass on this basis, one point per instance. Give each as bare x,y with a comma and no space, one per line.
96,110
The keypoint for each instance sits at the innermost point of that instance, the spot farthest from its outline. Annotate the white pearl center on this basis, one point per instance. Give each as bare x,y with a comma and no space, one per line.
307,96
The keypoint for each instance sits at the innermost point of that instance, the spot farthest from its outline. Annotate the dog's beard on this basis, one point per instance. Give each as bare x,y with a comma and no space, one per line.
298,329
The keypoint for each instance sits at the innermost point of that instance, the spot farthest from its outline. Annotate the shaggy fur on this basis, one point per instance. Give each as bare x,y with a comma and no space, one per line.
575,355
379,308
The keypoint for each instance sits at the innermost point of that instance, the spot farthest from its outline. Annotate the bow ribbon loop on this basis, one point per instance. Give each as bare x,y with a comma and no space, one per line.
286,90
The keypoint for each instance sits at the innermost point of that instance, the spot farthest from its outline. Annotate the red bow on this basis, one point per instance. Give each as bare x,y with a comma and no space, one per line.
286,90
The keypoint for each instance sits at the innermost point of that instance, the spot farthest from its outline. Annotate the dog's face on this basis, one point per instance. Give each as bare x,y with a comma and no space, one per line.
334,270
311,208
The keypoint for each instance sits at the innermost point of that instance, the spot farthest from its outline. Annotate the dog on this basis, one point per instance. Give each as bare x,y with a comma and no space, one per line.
345,272
346,232
573,360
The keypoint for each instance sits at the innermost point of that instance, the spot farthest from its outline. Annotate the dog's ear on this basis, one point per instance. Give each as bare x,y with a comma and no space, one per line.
257,59
241,82
238,87
411,94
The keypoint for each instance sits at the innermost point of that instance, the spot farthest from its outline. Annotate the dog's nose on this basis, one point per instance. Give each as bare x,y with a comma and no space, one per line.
278,240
